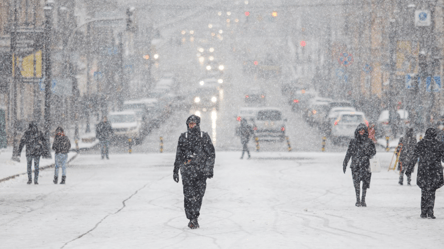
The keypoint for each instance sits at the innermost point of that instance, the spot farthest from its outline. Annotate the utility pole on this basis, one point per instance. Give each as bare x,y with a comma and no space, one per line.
88,77
123,86
390,104
14,79
48,77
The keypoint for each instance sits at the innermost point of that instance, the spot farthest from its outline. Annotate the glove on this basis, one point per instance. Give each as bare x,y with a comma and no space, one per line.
344,167
210,173
176,177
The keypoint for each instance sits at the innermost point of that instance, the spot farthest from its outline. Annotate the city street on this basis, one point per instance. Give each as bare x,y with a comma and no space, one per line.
286,200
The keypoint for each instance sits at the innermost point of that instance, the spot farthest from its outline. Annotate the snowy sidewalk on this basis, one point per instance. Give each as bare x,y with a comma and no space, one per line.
10,169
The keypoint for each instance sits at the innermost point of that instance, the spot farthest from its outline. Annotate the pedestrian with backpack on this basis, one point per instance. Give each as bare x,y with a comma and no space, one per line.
36,147
195,158
61,147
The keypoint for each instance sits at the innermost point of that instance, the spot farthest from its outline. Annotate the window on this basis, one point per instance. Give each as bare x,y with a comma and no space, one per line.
269,115
122,118
352,118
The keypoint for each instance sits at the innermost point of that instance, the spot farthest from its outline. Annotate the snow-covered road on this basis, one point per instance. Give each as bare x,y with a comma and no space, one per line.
275,200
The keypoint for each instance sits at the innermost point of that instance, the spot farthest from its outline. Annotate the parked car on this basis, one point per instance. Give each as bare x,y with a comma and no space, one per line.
383,127
247,113
332,115
300,99
345,125
316,113
126,125
269,124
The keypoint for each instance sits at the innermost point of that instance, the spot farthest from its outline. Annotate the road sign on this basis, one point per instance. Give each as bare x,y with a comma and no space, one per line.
28,47
409,81
436,84
340,73
42,84
367,68
423,18
345,59
113,51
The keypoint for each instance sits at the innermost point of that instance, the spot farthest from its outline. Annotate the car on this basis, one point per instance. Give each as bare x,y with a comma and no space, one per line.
316,113
269,124
147,111
247,113
383,127
215,69
345,125
126,126
300,99
255,97
206,96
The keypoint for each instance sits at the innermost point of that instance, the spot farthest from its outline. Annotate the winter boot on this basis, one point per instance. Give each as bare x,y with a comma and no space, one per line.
36,182
63,180
29,181
401,180
55,180
430,214
358,201
364,192
409,180
193,224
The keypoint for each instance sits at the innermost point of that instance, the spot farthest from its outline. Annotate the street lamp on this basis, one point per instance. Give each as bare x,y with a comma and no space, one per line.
47,53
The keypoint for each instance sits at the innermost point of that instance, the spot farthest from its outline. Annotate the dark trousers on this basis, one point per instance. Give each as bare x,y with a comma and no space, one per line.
245,148
36,167
427,201
193,191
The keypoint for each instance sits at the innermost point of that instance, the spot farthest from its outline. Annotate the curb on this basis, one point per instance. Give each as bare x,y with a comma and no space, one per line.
42,168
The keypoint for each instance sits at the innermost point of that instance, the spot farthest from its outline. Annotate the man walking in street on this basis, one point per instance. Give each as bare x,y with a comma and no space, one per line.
35,148
245,132
195,158
104,132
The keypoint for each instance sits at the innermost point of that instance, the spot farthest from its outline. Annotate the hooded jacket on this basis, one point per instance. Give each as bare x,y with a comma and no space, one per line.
196,146
61,143
34,140
360,150
104,131
408,148
430,153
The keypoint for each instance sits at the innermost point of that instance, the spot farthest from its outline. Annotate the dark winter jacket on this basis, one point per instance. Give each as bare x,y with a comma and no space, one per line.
245,132
35,142
104,131
407,147
61,143
430,153
196,146
360,150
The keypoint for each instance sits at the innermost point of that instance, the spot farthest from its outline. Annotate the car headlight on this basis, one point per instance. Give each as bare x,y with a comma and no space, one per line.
201,82
208,67
220,81
196,100
221,67
213,99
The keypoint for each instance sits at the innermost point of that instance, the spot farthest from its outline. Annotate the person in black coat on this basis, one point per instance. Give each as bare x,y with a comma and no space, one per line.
104,133
35,148
407,163
360,150
195,158
245,132
61,147
430,173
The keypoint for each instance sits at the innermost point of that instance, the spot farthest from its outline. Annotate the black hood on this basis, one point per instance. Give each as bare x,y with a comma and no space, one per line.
409,133
361,127
195,119
430,133
33,127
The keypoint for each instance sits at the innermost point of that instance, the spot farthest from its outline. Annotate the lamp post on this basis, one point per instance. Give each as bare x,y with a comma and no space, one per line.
47,53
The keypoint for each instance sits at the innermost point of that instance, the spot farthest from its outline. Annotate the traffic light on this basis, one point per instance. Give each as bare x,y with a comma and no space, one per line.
256,63
274,14
247,13
303,43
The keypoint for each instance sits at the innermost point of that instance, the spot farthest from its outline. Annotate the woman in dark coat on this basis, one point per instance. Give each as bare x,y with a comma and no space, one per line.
430,173
360,150
35,148
407,161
